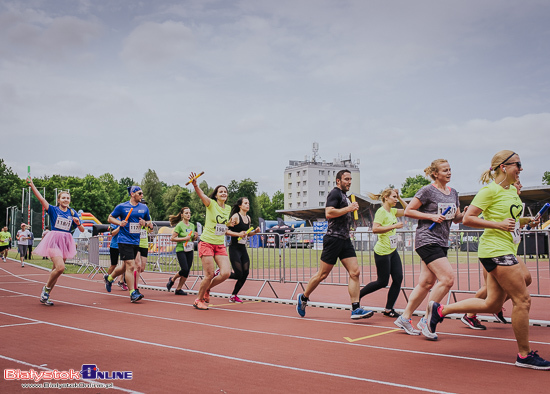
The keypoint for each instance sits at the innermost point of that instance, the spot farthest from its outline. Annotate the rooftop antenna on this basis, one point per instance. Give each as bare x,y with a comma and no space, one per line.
315,150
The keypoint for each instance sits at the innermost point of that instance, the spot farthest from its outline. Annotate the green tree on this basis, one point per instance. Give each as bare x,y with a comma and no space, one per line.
412,185
546,178
278,201
10,190
152,192
174,199
266,211
245,188
198,210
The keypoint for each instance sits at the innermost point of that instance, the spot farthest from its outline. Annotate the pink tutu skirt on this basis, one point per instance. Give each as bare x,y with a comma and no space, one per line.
56,244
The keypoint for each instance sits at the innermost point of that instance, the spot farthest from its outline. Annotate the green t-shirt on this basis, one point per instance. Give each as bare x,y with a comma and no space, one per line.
144,237
216,223
182,230
497,205
384,218
4,238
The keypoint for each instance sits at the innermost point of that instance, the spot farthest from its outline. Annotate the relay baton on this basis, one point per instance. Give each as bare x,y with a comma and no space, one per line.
129,213
247,231
541,212
195,177
355,215
446,211
191,233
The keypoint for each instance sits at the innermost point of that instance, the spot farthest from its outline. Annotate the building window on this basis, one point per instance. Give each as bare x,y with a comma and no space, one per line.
289,195
290,185
289,175
321,204
321,183
299,204
298,173
290,205
321,172
321,193
297,184
304,173
305,194
305,182
298,194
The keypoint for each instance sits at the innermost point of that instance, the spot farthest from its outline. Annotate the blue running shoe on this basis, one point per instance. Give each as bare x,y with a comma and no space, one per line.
301,305
108,283
361,313
433,318
135,296
533,361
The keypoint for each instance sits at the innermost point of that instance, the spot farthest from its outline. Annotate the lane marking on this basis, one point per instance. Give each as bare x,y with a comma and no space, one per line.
18,324
239,359
371,336
234,303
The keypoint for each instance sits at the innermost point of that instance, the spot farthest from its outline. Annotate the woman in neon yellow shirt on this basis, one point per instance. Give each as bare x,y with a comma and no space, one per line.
501,207
212,249
386,257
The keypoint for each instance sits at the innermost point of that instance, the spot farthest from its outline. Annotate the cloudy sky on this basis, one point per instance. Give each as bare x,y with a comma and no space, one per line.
239,88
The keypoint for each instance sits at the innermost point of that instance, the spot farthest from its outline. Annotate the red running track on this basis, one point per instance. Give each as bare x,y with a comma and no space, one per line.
243,348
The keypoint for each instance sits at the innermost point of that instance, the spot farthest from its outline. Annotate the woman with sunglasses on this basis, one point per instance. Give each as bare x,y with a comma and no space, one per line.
501,208
136,216
435,206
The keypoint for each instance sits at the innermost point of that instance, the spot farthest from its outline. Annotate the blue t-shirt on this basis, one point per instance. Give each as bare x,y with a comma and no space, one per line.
114,238
129,234
62,221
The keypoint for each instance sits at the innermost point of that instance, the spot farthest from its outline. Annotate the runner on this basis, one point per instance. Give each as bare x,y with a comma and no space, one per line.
212,244
23,237
5,238
337,245
136,216
184,234
501,208
436,273
58,244
238,255
386,256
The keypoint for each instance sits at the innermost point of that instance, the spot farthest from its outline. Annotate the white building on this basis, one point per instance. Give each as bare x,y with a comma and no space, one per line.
307,183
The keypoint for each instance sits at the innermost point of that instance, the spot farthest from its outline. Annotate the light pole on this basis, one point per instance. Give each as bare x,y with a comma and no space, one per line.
7,215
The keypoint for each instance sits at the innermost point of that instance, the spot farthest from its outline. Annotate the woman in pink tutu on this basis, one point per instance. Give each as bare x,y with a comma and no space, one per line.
58,244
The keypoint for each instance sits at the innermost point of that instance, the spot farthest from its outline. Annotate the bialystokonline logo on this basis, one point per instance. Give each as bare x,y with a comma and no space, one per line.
88,372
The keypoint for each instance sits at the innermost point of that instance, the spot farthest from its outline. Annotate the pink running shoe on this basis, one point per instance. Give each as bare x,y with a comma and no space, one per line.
235,298
200,305
123,286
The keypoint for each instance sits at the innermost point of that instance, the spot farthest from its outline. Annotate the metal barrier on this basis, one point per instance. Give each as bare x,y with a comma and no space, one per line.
294,258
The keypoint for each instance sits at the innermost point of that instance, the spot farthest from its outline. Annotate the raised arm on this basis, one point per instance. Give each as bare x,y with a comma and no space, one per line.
42,200
204,198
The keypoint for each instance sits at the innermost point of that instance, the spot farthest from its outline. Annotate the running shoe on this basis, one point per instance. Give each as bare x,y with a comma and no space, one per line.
361,313
423,327
44,296
135,296
406,325
472,322
170,284
301,305
207,296
533,361
391,313
22,265
108,283
200,305
235,298
123,286
180,292
434,317
500,317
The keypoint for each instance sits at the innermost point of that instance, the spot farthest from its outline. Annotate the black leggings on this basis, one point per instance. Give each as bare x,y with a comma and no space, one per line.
185,259
241,265
387,265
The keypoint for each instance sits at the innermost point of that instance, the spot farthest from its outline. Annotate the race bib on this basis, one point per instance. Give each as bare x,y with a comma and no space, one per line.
220,229
188,247
393,241
242,241
63,223
135,228
516,234
143,234
441,207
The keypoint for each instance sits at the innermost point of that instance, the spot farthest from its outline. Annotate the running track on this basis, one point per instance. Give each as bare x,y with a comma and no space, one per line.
250,348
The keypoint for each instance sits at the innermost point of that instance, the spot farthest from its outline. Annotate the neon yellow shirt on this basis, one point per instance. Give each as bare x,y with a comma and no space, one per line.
384,218
497,205
216,223
144,237
4,238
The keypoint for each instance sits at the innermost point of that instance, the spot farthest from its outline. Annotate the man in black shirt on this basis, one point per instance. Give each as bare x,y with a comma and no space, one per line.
337,245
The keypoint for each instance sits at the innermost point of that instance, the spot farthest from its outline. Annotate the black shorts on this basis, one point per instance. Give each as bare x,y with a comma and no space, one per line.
4,247
114,252
431,252
491,263
143,252
128,251
336,248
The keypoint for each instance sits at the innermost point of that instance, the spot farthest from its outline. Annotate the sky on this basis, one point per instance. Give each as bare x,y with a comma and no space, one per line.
239,88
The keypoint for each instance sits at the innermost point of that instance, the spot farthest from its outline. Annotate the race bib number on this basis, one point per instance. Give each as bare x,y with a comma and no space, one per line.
242,241
393,241
142,233
63,223
135,228
188,247
441,207
516,234
220,229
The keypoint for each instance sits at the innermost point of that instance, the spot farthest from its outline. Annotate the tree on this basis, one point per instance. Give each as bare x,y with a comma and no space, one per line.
546,178
198,210
245,188
412,185
152,192
10,190
175,202
278,201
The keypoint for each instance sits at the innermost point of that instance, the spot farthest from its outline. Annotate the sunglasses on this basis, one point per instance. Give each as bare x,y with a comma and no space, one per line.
141,193
517,163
